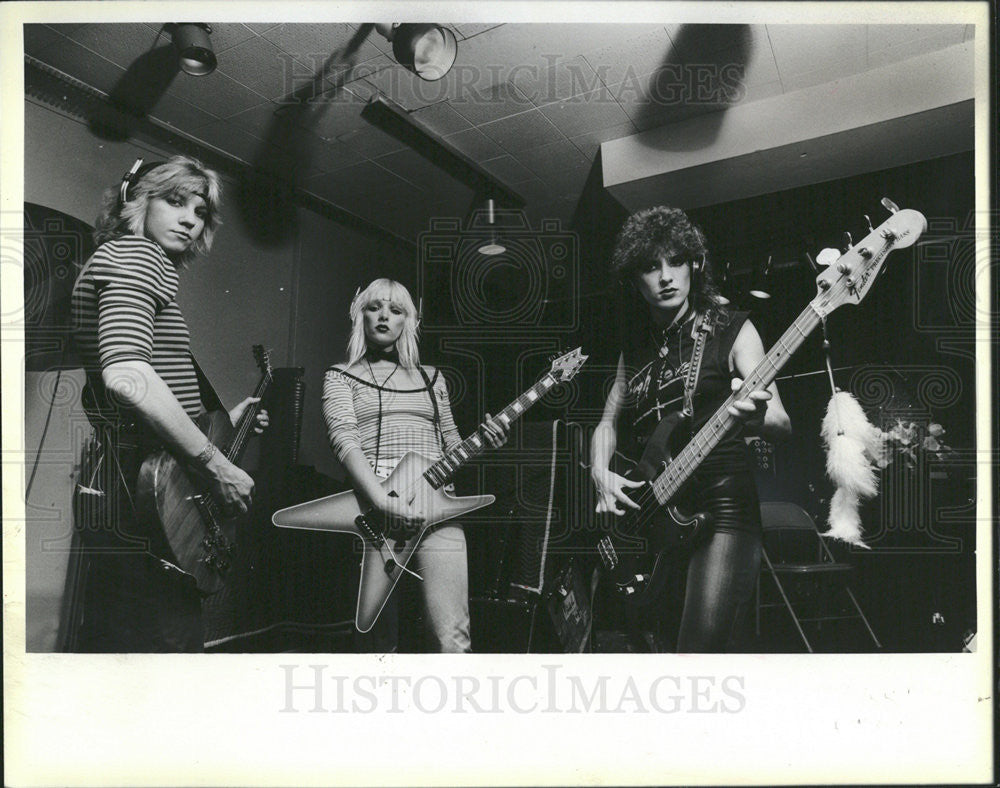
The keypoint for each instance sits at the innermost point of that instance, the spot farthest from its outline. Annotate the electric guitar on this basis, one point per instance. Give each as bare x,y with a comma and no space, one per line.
419,482
637,552
194,533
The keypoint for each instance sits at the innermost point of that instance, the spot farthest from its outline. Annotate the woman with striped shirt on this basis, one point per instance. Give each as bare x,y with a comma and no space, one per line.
142,393
378,405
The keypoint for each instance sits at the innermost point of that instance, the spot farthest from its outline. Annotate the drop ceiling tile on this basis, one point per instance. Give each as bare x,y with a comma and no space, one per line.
38,37
579,114
215,93
625,60
330,157
226,137
371,141
122,44
337,115
261,66
356,74
557,79
442,118
695,41
257,120
590,142
261,27
226,35
921,46
493,103
751,93
802,49
77,61
315,44
468,30
474,144
415,168
507,169
819,76
520,132
180,114
407,89
888,36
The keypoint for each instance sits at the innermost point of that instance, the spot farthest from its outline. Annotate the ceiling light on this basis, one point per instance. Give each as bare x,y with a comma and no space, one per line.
427,50
493,246
760,281
194,48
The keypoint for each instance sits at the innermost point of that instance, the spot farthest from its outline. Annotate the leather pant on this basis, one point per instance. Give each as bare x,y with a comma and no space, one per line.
723,567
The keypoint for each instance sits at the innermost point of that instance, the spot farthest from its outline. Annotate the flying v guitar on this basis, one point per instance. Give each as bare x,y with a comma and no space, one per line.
420,482
636,553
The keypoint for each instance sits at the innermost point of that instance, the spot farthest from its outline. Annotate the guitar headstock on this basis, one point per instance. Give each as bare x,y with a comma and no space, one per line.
567,365
848,278
263,358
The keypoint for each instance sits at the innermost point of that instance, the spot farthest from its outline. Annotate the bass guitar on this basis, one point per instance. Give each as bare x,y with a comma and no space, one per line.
637,552
197,537
419,482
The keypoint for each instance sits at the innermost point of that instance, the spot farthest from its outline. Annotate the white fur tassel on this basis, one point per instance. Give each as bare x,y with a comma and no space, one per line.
853,444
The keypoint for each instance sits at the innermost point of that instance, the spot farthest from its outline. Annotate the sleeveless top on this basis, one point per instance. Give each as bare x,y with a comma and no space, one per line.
656,366
351,411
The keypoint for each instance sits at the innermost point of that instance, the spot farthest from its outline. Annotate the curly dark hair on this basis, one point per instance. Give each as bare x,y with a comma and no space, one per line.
652,232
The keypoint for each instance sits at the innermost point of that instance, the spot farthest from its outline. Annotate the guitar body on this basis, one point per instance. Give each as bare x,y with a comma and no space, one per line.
176,500
642,546
385,556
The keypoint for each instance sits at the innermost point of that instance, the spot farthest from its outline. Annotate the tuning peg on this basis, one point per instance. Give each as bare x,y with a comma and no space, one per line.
827,256
889,205
846,242
868,221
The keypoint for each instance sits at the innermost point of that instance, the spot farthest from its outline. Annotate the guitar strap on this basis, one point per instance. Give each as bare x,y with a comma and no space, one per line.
209,397
434,402
702,329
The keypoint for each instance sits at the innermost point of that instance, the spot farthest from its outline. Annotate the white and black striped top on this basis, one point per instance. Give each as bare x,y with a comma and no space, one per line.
351,410
124,309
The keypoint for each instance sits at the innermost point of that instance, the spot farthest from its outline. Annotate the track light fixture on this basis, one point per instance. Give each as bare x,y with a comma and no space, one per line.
429,51
194,47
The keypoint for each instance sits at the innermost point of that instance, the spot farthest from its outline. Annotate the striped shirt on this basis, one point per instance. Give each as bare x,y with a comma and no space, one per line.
351,410
124,309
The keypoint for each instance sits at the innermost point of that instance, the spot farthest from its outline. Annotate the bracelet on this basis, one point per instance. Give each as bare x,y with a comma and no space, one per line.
206,454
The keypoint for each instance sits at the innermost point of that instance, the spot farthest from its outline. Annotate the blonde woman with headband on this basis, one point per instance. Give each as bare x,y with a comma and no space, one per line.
143,393
378,405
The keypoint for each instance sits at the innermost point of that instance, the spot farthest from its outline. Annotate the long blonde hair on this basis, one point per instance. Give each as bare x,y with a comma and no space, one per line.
395,293
178,175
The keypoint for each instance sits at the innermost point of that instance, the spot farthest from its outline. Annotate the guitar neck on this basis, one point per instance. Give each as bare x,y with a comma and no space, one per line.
666,485
245,426
442,470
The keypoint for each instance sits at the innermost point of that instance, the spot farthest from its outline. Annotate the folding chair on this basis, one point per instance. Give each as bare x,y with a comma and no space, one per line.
801,564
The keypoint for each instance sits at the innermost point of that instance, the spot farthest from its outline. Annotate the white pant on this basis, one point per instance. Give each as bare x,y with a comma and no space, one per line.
441,561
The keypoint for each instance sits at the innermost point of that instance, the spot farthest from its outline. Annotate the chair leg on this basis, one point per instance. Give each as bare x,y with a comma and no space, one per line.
788,604
864,618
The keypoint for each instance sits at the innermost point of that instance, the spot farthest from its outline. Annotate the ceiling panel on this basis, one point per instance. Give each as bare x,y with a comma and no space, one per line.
800,49
442,118
474,144
215,93
180,114
560,79
595,110
520,132
589,142
78,61
38,37
264,68
120,43
493,103
509,170
313,45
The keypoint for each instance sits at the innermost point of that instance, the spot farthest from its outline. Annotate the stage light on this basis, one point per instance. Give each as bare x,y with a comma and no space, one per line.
757,288
194,48
429,51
